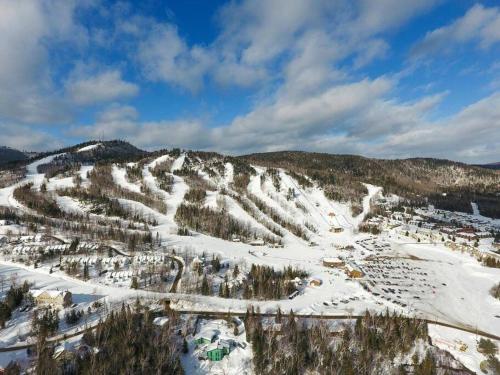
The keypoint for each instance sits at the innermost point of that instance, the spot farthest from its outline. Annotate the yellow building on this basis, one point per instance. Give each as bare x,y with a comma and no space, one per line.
52,297
332,262
354,271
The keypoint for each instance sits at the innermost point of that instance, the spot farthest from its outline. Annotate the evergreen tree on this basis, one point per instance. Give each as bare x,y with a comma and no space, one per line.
205,288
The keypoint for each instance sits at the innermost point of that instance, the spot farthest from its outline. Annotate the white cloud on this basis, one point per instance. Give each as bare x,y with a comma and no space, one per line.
102,87
166,57
121,122
27,92
358,118
25,138
478,24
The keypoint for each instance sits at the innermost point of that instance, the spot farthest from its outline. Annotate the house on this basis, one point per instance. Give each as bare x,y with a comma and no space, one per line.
336,229
333,262
315,281
202,340
239,326
160,321
483,234
196,264
467,235
257,242
217,350
52,297
354,271
62,353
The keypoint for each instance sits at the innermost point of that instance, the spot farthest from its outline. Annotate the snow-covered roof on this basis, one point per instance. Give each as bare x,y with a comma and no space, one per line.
51,293
160,321
332,260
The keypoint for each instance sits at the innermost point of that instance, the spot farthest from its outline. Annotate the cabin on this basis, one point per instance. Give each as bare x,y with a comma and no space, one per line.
52,297
333,262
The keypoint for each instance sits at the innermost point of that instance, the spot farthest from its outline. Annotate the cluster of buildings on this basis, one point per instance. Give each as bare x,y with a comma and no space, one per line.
350,268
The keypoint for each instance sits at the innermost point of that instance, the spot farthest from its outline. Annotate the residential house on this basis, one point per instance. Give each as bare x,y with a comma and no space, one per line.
52,297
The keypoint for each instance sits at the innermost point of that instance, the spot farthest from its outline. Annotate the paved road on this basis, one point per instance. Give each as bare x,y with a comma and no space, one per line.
180,266
223,314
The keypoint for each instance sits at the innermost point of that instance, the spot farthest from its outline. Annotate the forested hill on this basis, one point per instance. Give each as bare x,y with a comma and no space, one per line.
495,166
8,155
447,184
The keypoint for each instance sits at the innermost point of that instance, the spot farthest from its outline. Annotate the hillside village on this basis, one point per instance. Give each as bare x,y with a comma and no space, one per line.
184,238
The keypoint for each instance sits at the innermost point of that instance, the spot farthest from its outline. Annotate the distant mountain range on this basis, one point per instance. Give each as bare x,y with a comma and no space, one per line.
8,155
446,184
495,166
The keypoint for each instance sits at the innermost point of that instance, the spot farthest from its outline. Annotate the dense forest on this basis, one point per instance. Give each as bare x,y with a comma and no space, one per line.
376,344
127,342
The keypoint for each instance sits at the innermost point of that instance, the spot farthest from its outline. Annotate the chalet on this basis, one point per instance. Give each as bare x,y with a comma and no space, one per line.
315,281
467,235
62,353
333,262
196,263
257,242
353,271
483,234
448,230
52,297
160,321
336,229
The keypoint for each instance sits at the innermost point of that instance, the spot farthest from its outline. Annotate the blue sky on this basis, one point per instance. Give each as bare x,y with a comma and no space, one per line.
385,79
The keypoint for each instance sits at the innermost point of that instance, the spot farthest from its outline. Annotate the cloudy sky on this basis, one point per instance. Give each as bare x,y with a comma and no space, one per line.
385,78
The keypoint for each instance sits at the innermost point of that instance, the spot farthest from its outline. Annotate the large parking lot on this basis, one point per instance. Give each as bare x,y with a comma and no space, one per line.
399,281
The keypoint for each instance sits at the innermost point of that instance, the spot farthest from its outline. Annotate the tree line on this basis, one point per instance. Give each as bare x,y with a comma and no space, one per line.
370,346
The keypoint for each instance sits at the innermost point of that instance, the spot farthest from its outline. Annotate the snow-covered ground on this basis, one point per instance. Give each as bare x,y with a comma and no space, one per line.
459,293
462,345
238,362
32,176
89,147
120,178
